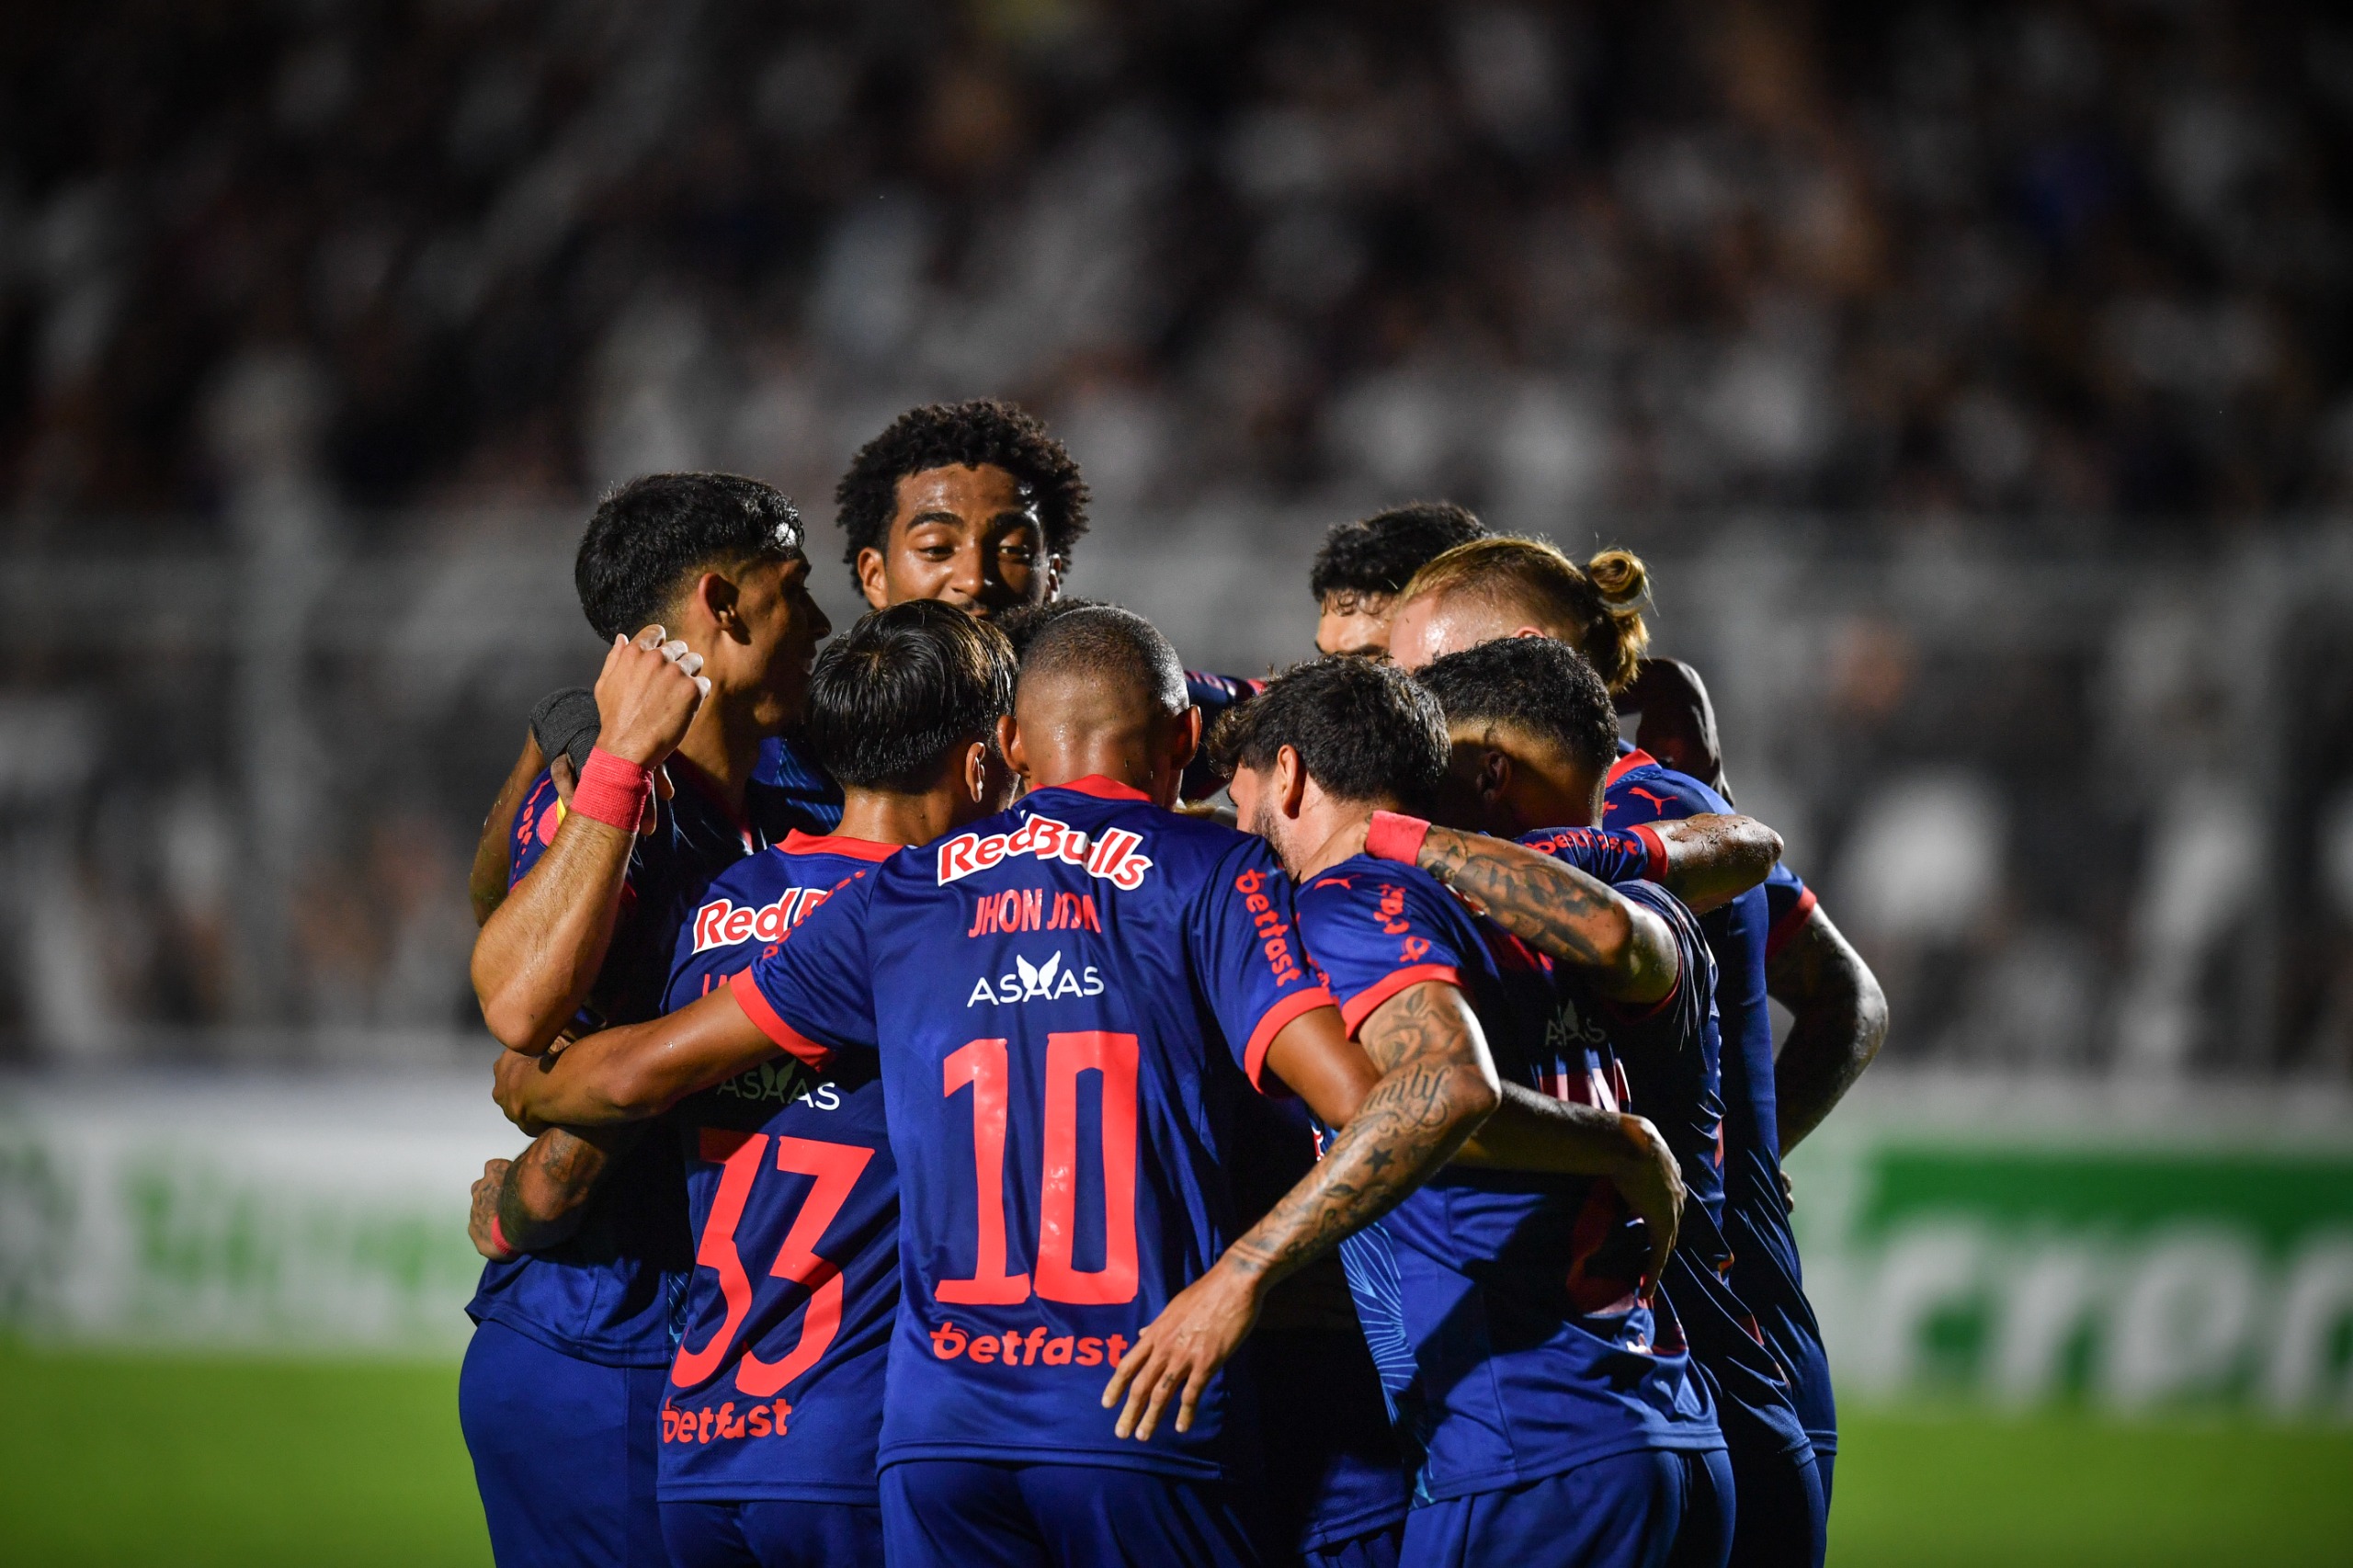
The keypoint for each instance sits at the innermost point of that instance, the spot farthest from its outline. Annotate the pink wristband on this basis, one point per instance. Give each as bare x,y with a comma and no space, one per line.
498,1237
1654,849
1395,836
612,791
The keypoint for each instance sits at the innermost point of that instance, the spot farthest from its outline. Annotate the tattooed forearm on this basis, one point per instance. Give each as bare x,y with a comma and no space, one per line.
1436,1086
1839,1022
547,1189
1559,910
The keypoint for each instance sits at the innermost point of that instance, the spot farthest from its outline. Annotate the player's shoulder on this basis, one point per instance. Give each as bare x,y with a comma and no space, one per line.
1641,788
1386,891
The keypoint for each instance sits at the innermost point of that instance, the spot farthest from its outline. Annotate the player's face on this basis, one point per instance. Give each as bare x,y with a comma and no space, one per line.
1354,624
967,536
1431,626
1503,781
781,627
1255,791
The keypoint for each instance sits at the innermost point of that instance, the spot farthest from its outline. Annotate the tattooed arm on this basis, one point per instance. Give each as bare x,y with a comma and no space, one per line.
539,1197
1437,1084
1840,1022
1559,910
1713,858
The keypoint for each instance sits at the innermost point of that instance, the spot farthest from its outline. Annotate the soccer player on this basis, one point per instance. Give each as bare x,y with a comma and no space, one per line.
563,1377
770,1431
1559,1422
1074,995
1533,727
1365,565
1522,588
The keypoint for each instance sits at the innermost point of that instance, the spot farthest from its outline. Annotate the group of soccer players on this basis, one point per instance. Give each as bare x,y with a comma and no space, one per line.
953,1142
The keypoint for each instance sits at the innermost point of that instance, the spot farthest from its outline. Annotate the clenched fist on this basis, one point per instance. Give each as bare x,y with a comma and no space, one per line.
480,1222
647,695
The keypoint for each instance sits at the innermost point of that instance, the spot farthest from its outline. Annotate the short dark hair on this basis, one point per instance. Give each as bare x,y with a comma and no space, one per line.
945,435
1363,729
1112,646
1380,553
1022,623
649,538
1540,686
893,694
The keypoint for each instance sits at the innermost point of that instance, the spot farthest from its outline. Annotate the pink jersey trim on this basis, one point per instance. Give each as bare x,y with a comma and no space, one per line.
1638,758
790,1040
1360,1007
1788,925
799,842
1102,789
1253,1055
1653,851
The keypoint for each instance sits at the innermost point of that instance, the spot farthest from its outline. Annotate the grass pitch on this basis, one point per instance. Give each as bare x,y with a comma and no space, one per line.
109,1460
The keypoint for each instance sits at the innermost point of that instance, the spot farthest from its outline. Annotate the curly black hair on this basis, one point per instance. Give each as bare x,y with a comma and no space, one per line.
1539,686
941,435
1380,553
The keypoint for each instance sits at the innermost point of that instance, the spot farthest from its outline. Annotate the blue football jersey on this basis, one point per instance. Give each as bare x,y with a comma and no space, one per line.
1515,1292
801,788
1734,1168
793,1197
607,1293
1069,998
1212,694
1788,902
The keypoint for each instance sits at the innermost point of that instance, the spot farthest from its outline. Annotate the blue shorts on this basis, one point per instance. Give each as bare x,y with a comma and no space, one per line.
978,1513
1376,1549
1783,1522
563,1453
773,1533
1649,1510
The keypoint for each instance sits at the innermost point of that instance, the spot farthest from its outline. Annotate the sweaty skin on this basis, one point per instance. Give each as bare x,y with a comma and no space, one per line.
967,536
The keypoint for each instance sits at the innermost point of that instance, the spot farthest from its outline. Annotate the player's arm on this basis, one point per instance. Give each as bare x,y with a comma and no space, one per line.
634,1071
1437,1084
494,855
1840,1022
1530,1131
1712,858
539,1197
1627,950
540,951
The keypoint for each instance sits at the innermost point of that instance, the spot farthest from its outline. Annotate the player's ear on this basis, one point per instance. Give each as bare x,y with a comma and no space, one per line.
872,581
1008,743
1495,772
714,600
1184,739
976,772
1291,781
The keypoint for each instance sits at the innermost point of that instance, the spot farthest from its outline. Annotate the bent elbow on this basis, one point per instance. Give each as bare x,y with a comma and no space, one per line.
514,1025
1475,1097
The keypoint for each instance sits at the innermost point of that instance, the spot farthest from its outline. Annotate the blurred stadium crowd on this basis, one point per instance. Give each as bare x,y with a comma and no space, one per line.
1978,377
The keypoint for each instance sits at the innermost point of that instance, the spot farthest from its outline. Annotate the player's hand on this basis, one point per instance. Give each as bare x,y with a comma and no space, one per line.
1651,1184
1789,1193
511,1082
647,694
1180,1350
486,1210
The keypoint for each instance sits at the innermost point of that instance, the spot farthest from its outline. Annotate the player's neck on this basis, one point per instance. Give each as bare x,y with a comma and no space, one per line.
1115,757
1329,832
881,817
725,744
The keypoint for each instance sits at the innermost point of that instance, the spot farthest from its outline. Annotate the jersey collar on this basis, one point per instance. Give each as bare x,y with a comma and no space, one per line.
1638,758
1102,789
799,842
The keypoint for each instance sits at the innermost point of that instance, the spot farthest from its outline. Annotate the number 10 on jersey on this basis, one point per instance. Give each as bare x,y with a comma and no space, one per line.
983,1067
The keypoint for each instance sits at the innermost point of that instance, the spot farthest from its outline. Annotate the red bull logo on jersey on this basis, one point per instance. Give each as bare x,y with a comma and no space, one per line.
1112,858
1274,938
1038,1347
721,924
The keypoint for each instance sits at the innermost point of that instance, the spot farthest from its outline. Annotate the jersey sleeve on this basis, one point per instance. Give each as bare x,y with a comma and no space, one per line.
1247,952
1676,1018
533,830
1212,694
1787,902
812,993
1376,931
1606,854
